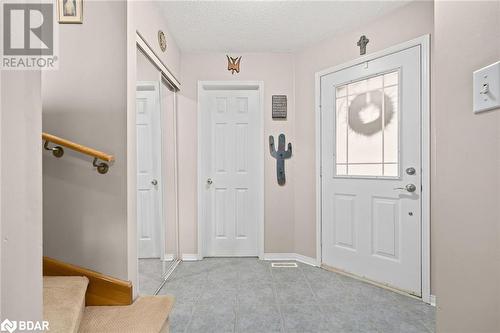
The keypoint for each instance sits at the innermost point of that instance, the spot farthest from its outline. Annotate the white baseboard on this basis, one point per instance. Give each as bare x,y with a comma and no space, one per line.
268,256
307,260
190,257
433,300
278,256
290,256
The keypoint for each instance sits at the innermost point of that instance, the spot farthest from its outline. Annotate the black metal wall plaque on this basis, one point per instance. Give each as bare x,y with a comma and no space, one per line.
279,106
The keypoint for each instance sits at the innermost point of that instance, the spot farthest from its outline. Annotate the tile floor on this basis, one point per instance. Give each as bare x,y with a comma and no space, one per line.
247,295
151,272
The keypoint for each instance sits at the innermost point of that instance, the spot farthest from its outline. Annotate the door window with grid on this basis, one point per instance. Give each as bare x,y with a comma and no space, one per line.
367,127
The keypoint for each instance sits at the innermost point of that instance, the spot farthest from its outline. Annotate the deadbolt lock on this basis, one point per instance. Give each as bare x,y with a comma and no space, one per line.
411,171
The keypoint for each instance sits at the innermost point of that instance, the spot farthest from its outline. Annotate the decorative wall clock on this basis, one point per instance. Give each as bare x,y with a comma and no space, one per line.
162,40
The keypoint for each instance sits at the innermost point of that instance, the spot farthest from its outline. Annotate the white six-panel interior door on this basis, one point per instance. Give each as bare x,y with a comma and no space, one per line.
148,169
231,177
371,169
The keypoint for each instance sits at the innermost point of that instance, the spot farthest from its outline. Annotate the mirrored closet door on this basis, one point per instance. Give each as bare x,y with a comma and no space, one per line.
157,222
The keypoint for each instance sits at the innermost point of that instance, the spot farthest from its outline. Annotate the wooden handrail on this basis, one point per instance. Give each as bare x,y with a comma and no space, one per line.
77,147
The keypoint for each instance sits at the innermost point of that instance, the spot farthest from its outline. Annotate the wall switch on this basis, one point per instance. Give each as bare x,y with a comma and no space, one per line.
486,88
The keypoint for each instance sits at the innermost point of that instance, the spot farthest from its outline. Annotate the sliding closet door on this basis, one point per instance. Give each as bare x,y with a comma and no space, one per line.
168,112
157,226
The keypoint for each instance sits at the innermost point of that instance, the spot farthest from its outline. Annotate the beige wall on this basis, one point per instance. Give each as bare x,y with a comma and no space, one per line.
466,214
276,70
85,213
145,69
21,196
399,26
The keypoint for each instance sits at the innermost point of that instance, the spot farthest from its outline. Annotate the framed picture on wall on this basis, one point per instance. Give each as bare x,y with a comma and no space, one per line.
70,11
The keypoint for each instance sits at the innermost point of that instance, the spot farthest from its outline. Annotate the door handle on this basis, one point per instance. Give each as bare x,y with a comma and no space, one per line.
154,182
210,181
409,187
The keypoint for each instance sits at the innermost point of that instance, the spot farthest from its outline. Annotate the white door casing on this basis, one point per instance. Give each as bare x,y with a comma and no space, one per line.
369,228
149,207
230,171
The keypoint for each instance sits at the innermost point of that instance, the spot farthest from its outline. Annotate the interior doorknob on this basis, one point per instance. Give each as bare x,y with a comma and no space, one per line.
154,182
210,181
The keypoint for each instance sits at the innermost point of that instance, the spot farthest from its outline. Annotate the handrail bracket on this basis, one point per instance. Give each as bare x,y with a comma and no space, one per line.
102,167
57,151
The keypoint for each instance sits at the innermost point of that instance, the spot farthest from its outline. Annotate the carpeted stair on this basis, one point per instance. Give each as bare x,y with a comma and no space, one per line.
64,309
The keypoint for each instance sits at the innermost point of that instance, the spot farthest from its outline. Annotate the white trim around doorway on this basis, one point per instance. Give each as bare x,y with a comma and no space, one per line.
204,86
424,43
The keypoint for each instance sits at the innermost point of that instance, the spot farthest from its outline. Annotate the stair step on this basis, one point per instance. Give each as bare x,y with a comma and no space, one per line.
64,302
148,314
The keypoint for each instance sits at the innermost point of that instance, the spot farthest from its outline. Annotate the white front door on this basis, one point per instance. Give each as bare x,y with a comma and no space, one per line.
148,169
232,181
371,169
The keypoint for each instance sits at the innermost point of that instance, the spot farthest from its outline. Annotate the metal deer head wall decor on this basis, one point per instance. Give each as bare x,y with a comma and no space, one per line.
233,64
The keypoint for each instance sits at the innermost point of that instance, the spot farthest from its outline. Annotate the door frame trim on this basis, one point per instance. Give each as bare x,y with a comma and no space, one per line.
203,86
424,43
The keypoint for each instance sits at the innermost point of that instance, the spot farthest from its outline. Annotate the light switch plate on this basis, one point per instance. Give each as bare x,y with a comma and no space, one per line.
486,88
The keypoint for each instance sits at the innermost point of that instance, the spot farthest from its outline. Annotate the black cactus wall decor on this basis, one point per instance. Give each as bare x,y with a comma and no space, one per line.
280,155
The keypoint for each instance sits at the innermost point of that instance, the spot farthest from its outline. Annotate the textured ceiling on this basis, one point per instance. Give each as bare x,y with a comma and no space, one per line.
271,26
